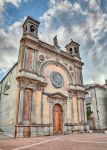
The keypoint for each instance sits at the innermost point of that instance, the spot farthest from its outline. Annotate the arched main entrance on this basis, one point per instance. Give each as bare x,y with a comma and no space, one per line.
57,119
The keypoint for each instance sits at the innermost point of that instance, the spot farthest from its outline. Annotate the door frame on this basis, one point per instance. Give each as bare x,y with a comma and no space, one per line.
57,104
63,104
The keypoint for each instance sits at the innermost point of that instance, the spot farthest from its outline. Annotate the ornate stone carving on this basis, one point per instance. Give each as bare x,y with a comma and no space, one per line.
41,58
57,79
72,74
48,57
65,64
57,62
70,68
30,84
55,41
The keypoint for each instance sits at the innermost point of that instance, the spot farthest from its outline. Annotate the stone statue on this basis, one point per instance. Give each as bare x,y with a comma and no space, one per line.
55,41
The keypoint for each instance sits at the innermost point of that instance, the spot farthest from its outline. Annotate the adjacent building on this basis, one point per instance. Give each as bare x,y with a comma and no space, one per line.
44,92
96,106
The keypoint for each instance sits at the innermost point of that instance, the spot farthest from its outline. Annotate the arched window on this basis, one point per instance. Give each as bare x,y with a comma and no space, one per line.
76,50
32,28
70,50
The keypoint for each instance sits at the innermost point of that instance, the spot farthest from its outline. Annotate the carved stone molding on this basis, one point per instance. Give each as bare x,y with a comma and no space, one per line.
57,95
57,62
29,83
41,58
72,92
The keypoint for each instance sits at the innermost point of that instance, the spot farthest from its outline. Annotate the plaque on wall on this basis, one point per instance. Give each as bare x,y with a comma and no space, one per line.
57,79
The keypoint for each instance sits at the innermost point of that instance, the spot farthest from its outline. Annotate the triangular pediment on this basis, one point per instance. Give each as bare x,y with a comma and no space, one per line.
58,95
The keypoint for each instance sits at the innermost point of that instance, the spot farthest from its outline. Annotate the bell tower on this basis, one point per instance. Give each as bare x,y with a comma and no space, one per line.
73,48
30,27
30,33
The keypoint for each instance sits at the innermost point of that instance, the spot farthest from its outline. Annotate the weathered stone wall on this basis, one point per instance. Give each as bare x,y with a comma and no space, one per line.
36,96
99,102
8,103
64,89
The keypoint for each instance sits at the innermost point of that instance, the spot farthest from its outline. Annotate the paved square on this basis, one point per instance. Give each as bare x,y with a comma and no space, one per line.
67,142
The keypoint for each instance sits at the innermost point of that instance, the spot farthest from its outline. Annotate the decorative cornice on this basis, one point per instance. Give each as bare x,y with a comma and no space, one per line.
31,19
33,125
29,82
50,48
57,95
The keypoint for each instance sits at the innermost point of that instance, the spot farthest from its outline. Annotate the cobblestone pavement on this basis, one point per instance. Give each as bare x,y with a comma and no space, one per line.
63,142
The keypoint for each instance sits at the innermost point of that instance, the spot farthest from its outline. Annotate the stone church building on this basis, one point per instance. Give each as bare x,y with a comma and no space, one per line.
43,94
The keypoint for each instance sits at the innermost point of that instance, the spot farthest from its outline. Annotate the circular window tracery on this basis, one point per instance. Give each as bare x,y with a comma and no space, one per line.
57,79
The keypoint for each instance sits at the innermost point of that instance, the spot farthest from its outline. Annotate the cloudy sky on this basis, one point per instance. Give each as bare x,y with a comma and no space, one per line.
85,21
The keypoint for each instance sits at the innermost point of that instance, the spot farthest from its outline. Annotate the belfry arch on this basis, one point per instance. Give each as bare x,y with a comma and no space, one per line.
46,63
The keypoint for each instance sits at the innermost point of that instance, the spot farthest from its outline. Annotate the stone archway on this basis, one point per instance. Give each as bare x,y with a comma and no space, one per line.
57,119
46,63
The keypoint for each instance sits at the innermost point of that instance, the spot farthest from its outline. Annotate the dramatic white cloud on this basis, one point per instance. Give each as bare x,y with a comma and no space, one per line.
94,4
87,25
9,45
58,18
3,3
84,21
9,38
14,2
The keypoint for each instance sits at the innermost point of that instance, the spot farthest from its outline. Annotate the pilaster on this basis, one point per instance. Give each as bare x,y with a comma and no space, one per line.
33,107
79,110
85,113
21,105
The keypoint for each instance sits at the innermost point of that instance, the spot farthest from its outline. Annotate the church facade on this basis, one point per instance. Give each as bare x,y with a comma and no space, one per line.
43,94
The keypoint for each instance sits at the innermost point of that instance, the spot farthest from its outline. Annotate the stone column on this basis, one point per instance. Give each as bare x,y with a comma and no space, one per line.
27,102
75,106
82,110
85,117
33,107
51,116
39,102
85,112
35,61
69,117
72,111
26,113
21,105
45,109
79,110
81,104
25,58
71,108
64,117
33,113
42,107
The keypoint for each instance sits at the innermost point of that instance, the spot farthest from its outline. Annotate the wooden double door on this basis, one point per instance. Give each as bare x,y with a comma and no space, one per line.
57,119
